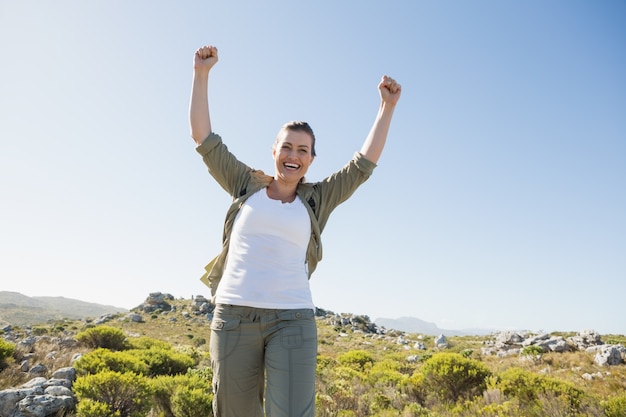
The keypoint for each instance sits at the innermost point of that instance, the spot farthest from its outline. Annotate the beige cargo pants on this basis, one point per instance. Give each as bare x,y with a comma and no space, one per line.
257,353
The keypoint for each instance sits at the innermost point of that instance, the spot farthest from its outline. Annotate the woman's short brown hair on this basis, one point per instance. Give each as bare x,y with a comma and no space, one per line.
297,126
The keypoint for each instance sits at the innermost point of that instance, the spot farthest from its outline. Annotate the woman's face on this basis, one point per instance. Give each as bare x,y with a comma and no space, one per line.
292,155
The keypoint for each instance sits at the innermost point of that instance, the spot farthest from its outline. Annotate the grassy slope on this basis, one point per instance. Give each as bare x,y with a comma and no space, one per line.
183,328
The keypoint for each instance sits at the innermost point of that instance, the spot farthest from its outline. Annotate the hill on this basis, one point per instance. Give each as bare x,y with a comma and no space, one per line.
20,310
415,325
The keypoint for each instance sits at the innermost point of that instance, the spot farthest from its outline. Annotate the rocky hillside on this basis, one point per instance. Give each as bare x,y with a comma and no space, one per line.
38,379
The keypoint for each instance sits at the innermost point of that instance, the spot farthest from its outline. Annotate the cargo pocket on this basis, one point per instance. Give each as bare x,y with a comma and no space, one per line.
297,323
225,334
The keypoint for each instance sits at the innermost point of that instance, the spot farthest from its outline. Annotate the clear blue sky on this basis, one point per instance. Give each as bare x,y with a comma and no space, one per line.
499,202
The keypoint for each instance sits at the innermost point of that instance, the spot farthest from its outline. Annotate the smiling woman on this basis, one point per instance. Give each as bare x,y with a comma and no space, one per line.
293,151
263,333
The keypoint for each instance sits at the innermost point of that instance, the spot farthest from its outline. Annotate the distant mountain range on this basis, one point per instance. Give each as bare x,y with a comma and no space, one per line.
415,325
20,310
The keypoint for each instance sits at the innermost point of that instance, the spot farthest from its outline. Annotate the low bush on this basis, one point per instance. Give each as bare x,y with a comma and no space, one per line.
92,408
183,395
161,361
103,337
358,359
105,360
449,377
124,394
537,391
615,406
7,349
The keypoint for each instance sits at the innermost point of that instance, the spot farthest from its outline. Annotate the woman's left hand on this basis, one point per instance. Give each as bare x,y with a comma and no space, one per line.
389,90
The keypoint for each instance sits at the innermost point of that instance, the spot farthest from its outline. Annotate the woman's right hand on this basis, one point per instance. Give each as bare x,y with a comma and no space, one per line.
205,58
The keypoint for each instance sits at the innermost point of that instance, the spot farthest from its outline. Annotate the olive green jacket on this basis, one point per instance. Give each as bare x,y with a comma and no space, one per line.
241,181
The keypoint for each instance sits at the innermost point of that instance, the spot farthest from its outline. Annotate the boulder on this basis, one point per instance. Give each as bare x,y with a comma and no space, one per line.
45,405
441,341
58,391
608,355
585,339
10,397
68,373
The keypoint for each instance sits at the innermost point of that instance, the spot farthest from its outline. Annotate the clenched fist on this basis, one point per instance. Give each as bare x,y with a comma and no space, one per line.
389,90
205,58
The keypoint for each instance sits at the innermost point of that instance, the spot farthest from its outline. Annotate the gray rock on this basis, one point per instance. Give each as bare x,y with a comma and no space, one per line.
135,318
558,345
535,340
509,338
56,382
68,373
35,382
10,397
585,339
39,369
441,341
45,405
419,346
609,355
58,391
27,345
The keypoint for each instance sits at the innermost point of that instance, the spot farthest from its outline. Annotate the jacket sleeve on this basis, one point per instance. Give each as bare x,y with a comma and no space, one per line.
227,170
339,186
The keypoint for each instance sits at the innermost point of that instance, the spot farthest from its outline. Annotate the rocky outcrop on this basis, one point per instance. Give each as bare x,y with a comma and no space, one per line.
200,305
608,355
40,397
514,343
350,322
156,301
441,342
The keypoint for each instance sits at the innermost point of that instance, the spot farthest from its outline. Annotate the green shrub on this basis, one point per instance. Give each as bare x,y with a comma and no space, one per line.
7,349
467,353
386,372
356,359
347,374
533,390
103,337
615,406
125,394
450,377
171,392
92,408
162,361
147,343
192,402
379,402
532,350
39,331
199,341
415,410
105,360
324,362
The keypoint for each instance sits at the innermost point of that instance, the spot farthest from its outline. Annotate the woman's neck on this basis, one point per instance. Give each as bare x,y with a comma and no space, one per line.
283,192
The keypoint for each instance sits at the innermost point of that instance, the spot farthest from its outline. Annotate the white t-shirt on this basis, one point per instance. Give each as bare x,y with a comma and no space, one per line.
266,265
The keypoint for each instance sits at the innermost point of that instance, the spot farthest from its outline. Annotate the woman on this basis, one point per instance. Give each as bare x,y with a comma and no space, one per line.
263,333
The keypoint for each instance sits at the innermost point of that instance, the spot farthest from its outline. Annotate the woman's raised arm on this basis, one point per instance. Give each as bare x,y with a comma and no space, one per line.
199,118
390,92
